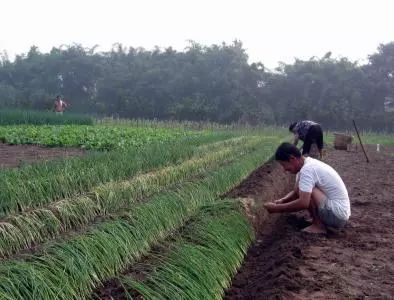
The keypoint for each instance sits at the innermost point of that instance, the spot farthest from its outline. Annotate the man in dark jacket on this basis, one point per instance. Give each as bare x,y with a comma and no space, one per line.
310,133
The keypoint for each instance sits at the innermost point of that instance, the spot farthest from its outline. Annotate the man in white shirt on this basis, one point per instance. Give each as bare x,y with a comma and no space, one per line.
318,189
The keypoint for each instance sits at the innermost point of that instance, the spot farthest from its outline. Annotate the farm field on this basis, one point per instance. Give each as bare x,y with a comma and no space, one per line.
196,151
70,224
163,212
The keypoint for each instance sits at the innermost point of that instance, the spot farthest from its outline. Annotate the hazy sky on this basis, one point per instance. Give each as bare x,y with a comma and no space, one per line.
271,30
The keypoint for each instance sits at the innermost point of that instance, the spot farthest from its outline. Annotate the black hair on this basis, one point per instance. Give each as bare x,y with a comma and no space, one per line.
292,125
285,150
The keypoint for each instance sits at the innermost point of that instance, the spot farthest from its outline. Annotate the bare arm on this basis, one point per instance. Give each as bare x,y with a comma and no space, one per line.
289,197
299,204
294,194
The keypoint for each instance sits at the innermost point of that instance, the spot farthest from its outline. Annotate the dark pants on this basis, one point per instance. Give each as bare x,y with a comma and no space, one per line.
314,135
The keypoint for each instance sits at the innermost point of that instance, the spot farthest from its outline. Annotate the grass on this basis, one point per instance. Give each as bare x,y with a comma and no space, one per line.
367,137
18,117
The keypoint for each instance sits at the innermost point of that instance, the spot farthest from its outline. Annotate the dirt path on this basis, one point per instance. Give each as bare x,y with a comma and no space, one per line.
354,263
12,156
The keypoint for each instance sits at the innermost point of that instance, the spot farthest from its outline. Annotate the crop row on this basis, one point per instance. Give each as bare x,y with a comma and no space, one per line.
37,185
97,137
72,268
198,262
38,225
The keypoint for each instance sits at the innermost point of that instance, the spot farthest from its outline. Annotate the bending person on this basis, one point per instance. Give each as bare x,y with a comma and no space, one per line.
309,132
318,189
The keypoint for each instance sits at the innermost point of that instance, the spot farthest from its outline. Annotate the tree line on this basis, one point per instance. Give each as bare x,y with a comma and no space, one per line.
203,83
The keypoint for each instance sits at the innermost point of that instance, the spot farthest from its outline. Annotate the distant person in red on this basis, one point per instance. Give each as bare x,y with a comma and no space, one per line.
59,105
310,133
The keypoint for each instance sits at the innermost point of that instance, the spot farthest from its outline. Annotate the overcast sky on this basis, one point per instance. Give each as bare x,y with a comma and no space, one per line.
271,30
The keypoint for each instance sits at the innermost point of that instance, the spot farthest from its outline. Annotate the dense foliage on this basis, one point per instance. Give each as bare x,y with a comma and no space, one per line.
90,137
214,83
15,116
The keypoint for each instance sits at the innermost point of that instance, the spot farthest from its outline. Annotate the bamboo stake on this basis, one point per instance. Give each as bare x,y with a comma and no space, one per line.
365,153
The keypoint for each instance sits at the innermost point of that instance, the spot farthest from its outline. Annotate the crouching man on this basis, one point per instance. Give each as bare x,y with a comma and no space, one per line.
318,189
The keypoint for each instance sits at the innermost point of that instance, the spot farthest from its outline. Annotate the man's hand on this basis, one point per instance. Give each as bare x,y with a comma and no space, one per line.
271,207
278,201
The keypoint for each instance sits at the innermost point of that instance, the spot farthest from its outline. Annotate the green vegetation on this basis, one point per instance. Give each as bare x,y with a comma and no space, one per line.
91,137
376,138
215,83
36,185
17,117
148,197
35,226
199,262
71,269
367,137
154,208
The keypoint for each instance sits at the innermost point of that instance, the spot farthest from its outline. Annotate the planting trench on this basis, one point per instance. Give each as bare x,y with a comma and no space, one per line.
354,263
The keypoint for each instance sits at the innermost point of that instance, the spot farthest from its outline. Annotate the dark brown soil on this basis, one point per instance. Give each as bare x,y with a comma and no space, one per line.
12,156
354,263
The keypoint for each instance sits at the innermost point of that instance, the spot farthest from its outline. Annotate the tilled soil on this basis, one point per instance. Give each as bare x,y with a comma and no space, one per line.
356,262
12,156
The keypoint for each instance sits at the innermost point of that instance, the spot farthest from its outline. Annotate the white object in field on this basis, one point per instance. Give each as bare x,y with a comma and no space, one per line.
377,147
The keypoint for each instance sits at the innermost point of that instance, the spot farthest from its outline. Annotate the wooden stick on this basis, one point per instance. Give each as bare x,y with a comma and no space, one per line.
365,153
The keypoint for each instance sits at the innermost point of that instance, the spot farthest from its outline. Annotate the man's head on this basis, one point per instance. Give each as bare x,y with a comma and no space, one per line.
292,125
289,157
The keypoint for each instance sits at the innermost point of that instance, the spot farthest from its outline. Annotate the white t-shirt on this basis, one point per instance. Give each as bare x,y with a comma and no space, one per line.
315,173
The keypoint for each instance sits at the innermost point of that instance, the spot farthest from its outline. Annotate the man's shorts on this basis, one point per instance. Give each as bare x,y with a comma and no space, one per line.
328,217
